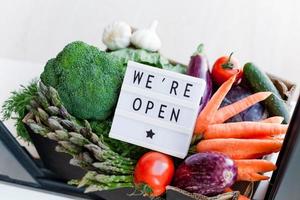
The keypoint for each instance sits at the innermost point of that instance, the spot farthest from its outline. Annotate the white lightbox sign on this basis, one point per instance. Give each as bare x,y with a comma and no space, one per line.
157,109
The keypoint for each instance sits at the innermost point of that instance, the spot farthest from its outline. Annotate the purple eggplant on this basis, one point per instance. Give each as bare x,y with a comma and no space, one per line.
207,173
198,67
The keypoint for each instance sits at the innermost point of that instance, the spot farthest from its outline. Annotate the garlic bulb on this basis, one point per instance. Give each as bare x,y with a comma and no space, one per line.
117,35
146,38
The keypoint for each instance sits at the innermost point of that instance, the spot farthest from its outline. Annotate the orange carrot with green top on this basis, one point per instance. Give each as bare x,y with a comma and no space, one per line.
248,170
274,120
207,114
244,130
240,148
233,109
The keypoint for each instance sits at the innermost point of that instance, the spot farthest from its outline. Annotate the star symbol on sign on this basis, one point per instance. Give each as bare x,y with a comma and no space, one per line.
150,134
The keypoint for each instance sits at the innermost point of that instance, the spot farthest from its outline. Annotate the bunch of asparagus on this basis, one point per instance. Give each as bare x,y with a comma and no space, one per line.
106,169
126,150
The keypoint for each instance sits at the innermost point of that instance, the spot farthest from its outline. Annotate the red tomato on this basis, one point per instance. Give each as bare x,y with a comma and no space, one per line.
156,170
224,68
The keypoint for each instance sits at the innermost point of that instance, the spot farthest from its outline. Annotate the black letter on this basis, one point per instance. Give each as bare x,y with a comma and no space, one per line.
187,90
161,111
137,76
175,115
149,107
140,105
173,87
149,81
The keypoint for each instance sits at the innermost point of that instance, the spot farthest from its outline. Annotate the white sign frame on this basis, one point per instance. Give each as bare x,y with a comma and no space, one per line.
138,124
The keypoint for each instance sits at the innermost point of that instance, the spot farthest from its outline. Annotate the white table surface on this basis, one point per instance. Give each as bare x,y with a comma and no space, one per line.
13,74
266,32
16,192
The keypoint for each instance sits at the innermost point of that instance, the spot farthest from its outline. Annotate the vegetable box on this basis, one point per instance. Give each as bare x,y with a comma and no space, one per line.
119,122
55,169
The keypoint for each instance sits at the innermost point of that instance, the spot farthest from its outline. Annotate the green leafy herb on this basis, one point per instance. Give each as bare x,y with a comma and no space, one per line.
124,149
15,107
149,58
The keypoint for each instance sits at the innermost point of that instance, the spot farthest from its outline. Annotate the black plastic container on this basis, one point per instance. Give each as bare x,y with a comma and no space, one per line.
43,178
57,162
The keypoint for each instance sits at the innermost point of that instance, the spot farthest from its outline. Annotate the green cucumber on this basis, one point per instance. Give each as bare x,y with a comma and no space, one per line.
260,82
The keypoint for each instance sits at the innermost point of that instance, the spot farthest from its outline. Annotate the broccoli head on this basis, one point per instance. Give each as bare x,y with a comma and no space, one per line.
88,80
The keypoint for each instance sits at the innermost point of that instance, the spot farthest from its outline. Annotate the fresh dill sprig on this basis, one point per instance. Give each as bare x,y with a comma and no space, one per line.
15,107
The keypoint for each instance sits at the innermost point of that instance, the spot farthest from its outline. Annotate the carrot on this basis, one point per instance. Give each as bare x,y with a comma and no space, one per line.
252,177
255,165
248,170
228,190
244,130
240,148
233,109
207,114
268,138
275,120
241,197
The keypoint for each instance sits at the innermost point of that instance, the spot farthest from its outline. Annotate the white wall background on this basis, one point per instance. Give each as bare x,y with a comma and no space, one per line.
264,31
